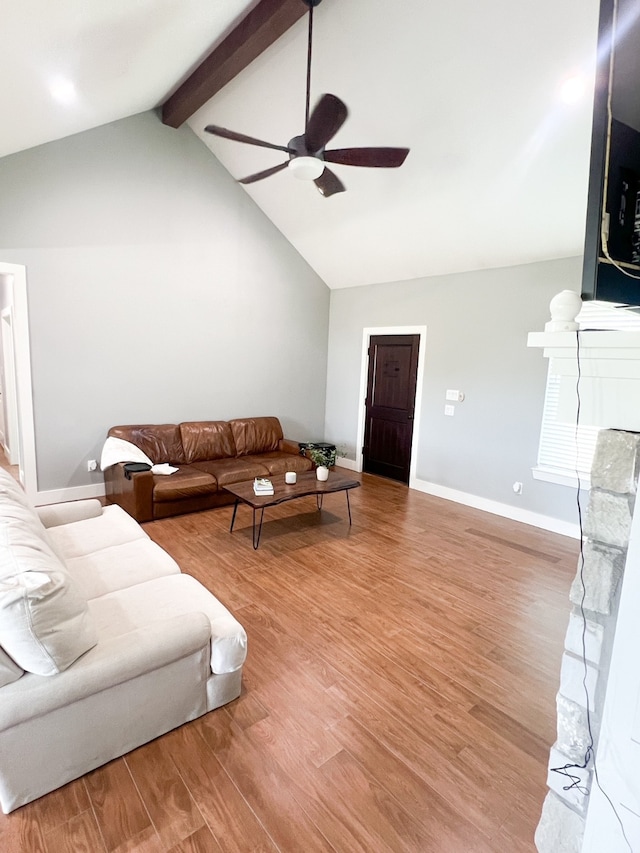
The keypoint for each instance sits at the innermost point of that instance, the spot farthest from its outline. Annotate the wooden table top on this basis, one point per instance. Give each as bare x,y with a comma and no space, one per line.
306,484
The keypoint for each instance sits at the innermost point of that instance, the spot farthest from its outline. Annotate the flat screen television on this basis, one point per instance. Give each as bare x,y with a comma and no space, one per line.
614,177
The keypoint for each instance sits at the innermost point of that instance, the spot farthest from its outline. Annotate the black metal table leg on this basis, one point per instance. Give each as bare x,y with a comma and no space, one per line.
233,517
256,540
346,491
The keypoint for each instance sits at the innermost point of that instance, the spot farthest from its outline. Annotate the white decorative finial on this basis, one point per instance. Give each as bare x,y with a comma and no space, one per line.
565,307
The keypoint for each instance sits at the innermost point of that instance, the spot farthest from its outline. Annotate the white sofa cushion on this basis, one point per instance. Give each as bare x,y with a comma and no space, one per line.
9,669
44,622
22,548
15,506
128,609
67,512
120,566
113,527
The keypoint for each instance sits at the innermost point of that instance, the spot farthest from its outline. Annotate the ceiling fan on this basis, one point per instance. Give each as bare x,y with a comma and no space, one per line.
307,153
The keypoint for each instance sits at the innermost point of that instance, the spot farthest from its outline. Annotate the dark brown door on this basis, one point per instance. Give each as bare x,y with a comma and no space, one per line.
390,404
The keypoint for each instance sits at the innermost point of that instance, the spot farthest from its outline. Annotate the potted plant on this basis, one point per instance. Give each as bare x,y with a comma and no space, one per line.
322,457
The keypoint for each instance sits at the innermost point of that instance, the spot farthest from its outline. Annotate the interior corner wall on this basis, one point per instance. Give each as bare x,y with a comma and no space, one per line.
476,342
158,292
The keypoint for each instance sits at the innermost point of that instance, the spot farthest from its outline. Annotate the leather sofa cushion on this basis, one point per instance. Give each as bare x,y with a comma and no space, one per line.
207,440
278,462
256,435
161,442
232,470
186,482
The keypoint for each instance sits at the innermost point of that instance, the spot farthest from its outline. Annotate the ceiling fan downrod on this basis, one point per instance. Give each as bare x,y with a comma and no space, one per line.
311,4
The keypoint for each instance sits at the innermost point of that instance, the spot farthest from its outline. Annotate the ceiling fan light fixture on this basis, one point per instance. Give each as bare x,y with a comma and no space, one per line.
306,168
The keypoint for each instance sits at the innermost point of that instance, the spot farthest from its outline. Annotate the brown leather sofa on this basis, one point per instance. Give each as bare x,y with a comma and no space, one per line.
208,454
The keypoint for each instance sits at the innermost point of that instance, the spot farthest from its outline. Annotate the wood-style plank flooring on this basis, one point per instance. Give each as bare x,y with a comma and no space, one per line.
399,692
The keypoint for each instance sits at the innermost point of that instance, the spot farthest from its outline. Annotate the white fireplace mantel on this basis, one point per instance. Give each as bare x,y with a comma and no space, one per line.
608,363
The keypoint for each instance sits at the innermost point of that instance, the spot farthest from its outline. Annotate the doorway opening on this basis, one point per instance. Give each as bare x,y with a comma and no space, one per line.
392,376
15,352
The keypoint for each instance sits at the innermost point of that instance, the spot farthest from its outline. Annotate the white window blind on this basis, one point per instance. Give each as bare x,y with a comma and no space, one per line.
565,451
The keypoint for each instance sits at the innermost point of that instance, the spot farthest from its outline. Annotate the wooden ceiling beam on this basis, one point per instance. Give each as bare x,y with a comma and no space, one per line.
265,23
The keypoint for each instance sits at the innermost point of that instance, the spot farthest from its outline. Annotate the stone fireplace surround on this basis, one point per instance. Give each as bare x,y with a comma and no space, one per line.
595,593
606,366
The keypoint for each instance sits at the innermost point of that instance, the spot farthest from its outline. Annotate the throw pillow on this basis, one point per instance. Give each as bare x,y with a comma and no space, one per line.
44,622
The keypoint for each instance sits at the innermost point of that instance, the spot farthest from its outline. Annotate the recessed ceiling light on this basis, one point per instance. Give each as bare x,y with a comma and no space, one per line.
63,90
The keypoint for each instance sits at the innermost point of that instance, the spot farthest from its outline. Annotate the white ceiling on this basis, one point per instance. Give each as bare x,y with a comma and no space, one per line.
498,165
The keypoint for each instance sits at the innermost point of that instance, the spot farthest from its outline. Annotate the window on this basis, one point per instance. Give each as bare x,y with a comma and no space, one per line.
566,451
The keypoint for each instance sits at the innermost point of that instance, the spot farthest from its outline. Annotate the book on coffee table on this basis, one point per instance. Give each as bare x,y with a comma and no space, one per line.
263,486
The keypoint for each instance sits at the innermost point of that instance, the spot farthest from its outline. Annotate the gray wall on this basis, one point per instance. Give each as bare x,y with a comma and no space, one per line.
476,342
158,292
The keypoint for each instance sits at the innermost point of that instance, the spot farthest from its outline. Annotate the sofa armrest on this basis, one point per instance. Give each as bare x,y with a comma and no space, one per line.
134,494
108,664
286,445
54,515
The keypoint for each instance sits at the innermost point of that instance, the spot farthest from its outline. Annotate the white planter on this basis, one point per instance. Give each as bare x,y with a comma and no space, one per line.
322,473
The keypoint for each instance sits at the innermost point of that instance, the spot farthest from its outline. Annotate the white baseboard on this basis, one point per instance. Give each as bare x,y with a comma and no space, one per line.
72,493
535,519
351,464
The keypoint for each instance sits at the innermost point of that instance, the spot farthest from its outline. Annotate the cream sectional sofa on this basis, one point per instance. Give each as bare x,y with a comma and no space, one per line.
104,643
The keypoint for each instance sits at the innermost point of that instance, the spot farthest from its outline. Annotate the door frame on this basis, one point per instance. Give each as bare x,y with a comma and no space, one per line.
367,334
11,431
24,389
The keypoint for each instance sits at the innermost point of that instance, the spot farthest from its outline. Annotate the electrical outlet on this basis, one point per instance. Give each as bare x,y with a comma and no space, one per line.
517,488
92,465
450,411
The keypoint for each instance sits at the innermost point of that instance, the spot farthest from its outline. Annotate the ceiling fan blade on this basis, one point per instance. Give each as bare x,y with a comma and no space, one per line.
258,176
329,184
384,158
328,116
240,137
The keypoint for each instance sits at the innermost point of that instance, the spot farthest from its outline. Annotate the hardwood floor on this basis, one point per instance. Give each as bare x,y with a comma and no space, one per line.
399,693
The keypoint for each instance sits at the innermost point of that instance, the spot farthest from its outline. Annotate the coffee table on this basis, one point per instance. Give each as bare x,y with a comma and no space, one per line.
306,484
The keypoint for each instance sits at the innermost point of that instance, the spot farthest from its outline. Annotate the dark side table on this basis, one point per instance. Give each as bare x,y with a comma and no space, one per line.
327,451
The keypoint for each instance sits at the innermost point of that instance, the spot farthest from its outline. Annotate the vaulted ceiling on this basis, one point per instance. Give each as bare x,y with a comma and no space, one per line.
497,172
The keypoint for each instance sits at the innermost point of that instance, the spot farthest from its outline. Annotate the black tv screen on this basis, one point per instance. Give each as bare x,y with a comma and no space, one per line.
614,178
